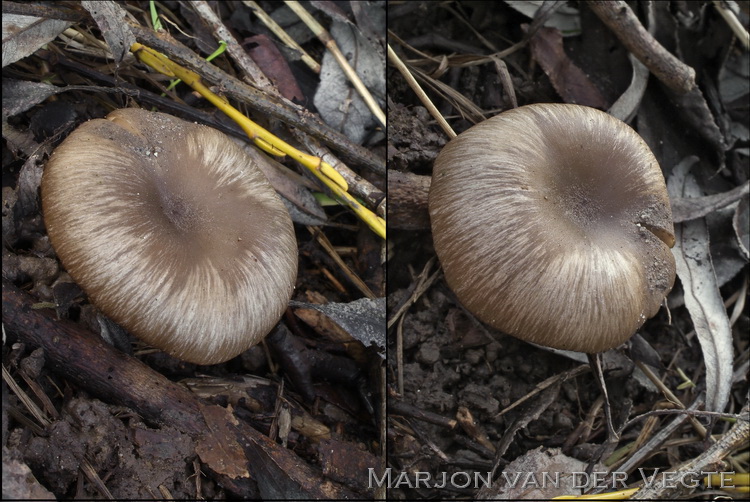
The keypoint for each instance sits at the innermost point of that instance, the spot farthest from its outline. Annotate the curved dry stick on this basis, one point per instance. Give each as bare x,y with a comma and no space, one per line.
620,18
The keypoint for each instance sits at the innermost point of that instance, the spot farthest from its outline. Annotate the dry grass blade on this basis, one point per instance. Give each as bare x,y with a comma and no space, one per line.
641,454
465,107
699,428
505,80
737,437
553,380
424,282
462,60
731,18
323,240
29,403
93,477
330,44
401,66
283,36
471,27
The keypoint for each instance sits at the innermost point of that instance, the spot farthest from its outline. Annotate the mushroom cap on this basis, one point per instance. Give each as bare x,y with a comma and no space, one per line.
172,231
552,223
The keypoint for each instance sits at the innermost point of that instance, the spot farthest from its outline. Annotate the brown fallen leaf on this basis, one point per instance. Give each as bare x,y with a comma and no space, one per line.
270,59
570,82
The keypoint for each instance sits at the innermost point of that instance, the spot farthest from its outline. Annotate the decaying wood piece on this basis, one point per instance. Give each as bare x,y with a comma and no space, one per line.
87,361
407,201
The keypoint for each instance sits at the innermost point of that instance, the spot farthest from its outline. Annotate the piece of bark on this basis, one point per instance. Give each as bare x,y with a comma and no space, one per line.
407,201
88,362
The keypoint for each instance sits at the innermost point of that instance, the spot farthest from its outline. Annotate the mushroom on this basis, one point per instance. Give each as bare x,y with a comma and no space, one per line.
552,223
172,231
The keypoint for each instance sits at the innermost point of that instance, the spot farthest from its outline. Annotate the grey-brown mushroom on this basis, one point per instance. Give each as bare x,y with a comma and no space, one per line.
172,231
552,223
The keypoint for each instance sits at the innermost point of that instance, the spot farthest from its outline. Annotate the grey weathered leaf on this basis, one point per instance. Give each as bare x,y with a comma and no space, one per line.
629,101
370,22
23,35
110,17
364,319
727,264
336,99
524,478
690,208
567,19
22,95
742,225
332,10
734,81
702,297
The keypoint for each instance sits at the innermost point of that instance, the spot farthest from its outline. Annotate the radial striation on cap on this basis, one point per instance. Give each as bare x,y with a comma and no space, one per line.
172,231
552,223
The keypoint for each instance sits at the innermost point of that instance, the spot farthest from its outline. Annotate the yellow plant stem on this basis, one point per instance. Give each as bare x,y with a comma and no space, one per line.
619,495
262,138
728,480
216,53
738,482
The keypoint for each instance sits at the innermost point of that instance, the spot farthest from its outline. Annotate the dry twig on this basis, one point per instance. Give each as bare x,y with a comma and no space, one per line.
621,19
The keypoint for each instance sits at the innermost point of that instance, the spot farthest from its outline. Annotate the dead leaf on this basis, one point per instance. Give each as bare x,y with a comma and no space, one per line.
690,208
629,101
321,324
110,17
269,58
22,95
23,35
343,462
702,297
568,79
540,474
363,319
339,104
